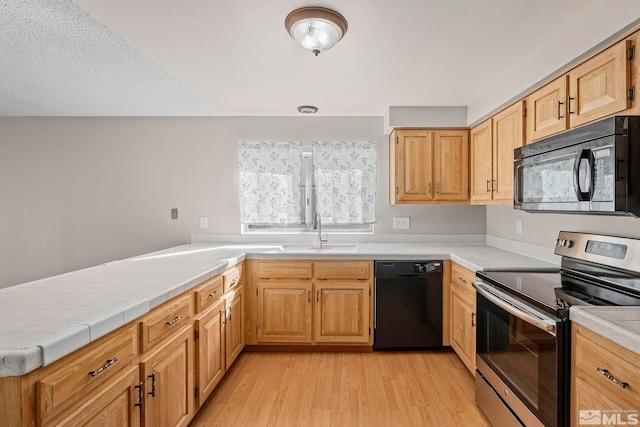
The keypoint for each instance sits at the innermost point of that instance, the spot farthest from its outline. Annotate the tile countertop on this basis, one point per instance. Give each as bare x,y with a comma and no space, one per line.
44,320
618,324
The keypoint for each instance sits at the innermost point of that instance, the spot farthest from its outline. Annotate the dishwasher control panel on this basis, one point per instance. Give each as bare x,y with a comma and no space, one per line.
420,267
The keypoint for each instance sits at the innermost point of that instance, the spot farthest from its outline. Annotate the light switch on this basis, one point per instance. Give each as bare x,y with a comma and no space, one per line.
519,226
204,222
174,213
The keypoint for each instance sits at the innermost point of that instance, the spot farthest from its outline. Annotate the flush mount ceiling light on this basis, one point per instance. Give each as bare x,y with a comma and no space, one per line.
307,109
316,28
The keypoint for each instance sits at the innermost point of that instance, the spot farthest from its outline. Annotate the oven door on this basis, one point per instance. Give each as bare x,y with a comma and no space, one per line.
522,352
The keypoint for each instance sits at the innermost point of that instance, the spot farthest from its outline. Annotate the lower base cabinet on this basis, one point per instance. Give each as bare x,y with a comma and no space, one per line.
462,300
342,312
168,376
604,380
305,302
210,350
234,324
116,404
284,311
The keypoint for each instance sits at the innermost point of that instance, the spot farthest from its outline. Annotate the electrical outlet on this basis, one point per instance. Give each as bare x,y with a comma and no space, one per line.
174,213
519,226
204,222
401,222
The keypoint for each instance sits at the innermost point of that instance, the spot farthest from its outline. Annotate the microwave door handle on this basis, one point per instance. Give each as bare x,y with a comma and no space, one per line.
517,184
584,155
547,325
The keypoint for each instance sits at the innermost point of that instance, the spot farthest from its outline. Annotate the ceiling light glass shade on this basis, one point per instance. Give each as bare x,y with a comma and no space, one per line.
316,28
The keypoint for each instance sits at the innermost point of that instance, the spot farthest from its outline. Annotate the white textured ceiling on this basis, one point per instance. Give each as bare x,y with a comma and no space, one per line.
234,57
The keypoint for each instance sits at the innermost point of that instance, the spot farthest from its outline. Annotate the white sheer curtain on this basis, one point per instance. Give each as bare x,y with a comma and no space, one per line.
346,178
269,181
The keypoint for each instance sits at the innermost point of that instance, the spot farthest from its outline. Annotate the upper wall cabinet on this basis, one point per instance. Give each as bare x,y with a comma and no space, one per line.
546,110
597,88
492,145
429,166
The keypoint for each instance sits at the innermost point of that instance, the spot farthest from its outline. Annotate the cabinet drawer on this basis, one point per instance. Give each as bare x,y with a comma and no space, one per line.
595,354
462,276
285,270
342,270
75,375
208,293
232,278
164,320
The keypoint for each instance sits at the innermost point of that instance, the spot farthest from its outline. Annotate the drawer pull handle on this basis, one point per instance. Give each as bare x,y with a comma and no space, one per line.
103,367
152,393
234,281
462,280
174,321
214,293
612,378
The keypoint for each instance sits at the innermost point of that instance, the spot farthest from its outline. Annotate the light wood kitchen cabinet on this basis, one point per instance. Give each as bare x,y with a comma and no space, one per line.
492,146
147,372
481,162
547,110
333,307
210,349
164,321
462,312
343,302
284,311
117,403
604,377
599,87
234,324
167,373
67,382
429,166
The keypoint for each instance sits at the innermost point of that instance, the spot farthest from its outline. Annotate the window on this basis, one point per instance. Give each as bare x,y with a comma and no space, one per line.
282,185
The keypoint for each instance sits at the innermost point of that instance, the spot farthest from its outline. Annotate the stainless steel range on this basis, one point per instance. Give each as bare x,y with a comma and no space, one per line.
523,330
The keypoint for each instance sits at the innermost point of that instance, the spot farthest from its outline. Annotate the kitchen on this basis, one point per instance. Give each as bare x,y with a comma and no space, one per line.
105,191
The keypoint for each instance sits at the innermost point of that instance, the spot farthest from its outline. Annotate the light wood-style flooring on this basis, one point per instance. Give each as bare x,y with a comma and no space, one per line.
344,389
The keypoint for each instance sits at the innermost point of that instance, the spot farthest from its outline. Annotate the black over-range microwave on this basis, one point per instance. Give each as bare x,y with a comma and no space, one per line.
593,169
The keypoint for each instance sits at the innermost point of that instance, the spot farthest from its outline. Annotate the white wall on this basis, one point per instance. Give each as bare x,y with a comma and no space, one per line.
542,228
77,192
604,19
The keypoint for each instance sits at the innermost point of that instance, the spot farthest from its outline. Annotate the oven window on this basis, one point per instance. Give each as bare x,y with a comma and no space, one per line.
523,356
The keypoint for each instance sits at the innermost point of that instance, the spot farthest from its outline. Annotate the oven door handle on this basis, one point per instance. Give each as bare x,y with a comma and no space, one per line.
505,303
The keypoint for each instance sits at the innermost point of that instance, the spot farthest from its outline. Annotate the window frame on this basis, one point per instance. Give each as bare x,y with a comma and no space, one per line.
308,197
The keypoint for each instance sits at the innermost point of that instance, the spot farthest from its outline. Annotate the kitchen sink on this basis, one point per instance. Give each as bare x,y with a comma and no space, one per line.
325,248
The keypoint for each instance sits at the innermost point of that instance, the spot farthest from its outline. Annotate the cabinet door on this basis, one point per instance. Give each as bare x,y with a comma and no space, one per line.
168,379
342,312
451,164
234,327
115,403
210,350
481,163
547,110
508,134
413,166
284,311
598,87
463,334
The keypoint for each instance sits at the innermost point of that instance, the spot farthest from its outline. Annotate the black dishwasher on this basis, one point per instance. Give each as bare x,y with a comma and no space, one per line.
408,305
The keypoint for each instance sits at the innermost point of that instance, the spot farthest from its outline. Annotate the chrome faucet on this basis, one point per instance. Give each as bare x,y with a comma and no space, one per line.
317,223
